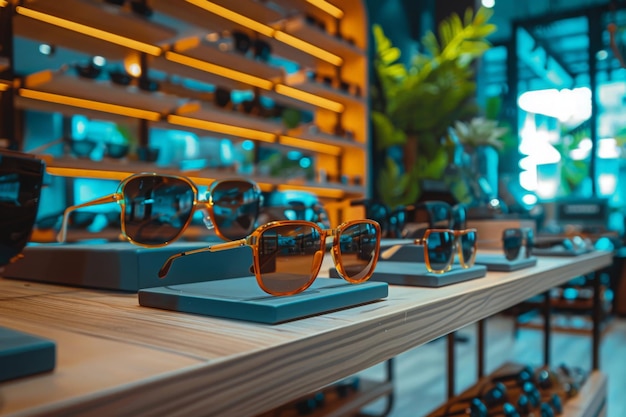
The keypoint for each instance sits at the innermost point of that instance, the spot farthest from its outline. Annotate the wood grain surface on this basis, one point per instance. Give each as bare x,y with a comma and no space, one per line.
116,358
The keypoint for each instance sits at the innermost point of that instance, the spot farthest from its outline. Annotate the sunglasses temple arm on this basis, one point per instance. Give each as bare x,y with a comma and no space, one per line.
220,246
62,235
390,251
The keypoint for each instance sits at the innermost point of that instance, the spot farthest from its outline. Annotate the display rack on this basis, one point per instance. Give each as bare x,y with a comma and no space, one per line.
179,40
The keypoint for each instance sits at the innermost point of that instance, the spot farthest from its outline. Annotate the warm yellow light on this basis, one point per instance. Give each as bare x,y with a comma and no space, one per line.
219,70
90,104
3,3
87,173
233,16
309,48
331,9
89,31
309,98
310,145
320,192
4,87
241,132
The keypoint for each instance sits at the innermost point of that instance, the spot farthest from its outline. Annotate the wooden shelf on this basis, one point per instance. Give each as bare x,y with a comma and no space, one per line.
589,402
184,364
106,17
298,27
335,405
100,91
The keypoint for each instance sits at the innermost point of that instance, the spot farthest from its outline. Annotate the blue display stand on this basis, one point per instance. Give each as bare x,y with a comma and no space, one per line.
498,262
242,299
22,354
416,274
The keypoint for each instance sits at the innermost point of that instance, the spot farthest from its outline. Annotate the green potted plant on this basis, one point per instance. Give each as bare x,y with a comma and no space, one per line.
413,106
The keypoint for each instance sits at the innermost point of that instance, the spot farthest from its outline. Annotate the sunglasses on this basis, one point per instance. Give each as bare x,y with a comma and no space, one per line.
440,246
514,239
156,209
391,221
288,254
435,215
82,148
244,43
21,179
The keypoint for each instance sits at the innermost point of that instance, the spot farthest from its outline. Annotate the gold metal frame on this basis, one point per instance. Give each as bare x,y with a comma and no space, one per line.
254,238
118,197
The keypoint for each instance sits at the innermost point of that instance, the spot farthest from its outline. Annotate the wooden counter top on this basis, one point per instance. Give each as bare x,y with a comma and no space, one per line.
116,358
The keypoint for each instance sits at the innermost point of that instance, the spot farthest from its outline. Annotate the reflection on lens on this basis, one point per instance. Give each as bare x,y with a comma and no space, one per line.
440,249
468,247
511,243
157,208
357,246
235,207
289,257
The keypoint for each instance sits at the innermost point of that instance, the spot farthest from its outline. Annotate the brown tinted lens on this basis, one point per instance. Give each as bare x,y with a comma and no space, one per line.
440,248
289,257
157,208
235,207
358,246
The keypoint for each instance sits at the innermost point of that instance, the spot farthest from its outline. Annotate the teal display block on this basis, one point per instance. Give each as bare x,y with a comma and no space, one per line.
416,274
242,299
498,262
124,266
22,354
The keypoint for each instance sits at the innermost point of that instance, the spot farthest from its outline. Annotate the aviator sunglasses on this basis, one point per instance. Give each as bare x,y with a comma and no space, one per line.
156,209
288,254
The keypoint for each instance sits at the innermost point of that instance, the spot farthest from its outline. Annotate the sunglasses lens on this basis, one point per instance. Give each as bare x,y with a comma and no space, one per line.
20,187
158,208
235,206
468,247
459,217
358,246
440,248
289,258
511,243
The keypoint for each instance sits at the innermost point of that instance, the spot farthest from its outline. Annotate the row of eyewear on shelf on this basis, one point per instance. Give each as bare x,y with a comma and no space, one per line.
287,254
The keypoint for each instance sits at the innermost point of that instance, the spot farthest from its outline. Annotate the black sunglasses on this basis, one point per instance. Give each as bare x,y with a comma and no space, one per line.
21,178
392,221
514,239
243,43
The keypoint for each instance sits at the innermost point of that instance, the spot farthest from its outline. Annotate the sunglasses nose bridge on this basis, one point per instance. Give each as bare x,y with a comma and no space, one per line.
203,207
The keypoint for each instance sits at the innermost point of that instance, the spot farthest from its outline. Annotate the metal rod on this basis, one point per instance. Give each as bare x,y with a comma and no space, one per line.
596,322
547,328
480,348
450,363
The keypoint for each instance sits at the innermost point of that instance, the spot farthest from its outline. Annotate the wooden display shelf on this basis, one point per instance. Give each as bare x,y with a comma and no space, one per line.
55,35
63,84
335,405
105,17
204,52
589,402
116,357
214,22
333,92
298,27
